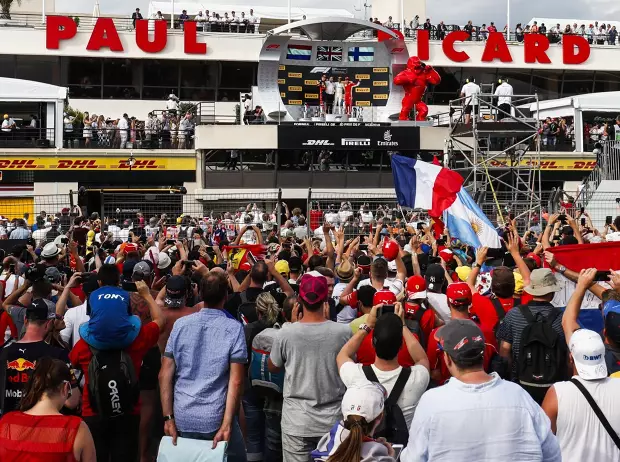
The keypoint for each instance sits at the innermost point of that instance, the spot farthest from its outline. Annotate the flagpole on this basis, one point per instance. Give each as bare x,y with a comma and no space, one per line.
508,20
172,16
402,16
289,11
43,13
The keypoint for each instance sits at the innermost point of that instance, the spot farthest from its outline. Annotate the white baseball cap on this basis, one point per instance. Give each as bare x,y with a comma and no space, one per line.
588,352
364,399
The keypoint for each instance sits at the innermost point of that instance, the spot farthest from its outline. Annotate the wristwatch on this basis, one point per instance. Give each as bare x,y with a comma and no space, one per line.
168,417
475,265
365,327
560,269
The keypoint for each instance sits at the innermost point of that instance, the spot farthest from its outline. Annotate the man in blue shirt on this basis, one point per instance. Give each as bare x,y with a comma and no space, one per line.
202,372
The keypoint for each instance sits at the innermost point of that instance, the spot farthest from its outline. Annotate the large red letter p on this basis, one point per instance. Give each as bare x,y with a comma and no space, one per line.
58,28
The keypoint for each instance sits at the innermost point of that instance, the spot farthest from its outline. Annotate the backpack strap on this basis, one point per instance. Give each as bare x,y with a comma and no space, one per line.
597,410
244,297
527,314
370,374
399,386
517,301
554,313
499,309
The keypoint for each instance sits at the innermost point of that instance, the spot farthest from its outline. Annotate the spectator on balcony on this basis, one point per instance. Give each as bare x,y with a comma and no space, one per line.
602,35
519,32
136,16
534,28
172,105
568,30
8,124
428,26
389,23
87,132
34,121
182,18
123,128
185,128
492,28
483,33
469,28
200,21
415,23
542,29
252,21
612,35
574,29
590,33
441,31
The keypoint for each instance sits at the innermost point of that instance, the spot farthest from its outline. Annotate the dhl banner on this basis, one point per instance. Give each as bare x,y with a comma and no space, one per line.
96,163
553,164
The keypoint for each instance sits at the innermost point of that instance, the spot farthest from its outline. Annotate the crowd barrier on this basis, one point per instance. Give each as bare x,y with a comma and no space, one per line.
349,206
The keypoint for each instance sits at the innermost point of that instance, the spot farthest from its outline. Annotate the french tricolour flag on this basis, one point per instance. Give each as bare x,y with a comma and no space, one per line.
421,185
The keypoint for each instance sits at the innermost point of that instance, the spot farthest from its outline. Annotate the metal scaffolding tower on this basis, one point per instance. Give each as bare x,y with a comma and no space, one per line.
498,154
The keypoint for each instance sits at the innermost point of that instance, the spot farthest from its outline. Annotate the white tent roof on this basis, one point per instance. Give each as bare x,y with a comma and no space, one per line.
28,90
551,22
602,102
268,12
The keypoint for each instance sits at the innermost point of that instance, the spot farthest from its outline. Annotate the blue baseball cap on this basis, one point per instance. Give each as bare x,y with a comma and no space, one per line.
611,306
111,325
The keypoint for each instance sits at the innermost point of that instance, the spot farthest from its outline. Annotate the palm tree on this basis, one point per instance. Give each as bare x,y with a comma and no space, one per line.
5,8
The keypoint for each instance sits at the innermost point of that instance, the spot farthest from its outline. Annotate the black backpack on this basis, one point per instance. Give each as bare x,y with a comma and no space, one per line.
393,426
113,385
246,313
542,353
415,324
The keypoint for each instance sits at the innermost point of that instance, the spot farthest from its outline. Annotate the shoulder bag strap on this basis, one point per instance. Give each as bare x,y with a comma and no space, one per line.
527,314
597,410
499,309
370,374
399,386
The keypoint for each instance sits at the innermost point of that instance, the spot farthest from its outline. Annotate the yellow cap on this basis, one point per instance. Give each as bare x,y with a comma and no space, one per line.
6,116
463,272
518,283
179,220
282,267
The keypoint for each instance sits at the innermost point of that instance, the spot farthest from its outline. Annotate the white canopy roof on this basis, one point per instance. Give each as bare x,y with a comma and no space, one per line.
28,90
328,28
564,107
268,12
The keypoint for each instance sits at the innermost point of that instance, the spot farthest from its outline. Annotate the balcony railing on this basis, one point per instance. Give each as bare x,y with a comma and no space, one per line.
27,137
114,138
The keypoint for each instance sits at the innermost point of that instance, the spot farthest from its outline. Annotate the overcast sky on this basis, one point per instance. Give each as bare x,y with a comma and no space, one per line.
450,11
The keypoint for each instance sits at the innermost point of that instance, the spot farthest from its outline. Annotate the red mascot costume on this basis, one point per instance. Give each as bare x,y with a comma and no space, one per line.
414,80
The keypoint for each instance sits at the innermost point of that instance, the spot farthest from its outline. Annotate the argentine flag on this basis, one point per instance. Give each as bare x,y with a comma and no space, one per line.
466,222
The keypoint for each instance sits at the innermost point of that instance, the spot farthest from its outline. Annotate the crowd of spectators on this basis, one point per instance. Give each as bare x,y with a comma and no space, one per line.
209,21
596,34
168,130
341,335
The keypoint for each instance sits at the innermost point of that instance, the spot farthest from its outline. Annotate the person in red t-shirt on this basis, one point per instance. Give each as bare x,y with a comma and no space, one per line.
487,309
116,438
417,310
459,300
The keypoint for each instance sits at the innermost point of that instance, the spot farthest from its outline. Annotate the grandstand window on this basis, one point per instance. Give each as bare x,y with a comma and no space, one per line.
577,83
198,74
240,75
7,66
606,81
84,71
44,69
162,73
521,80
121,78
547,84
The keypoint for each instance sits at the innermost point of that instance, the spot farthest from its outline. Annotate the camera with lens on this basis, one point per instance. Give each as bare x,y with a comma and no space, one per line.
35,273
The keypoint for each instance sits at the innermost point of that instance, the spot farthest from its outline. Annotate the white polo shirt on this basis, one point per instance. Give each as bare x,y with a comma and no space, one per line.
471,91
505,92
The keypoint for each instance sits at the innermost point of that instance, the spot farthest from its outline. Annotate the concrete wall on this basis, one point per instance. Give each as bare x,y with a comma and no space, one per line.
237,137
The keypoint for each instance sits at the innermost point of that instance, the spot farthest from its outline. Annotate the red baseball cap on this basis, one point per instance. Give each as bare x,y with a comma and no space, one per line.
385,297
459,293
313,289
245,266
416,288
446,255
536,258
390,249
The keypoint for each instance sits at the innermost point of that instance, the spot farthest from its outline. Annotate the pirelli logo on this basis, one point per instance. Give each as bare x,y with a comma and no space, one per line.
363,103
362,90
294,75
311,96
283,95
294,102
379,70
380,83
294,89
380,96
281,81
362,76
282,67
311,82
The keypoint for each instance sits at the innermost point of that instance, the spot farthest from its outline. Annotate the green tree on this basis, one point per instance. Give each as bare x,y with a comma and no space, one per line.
5,8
